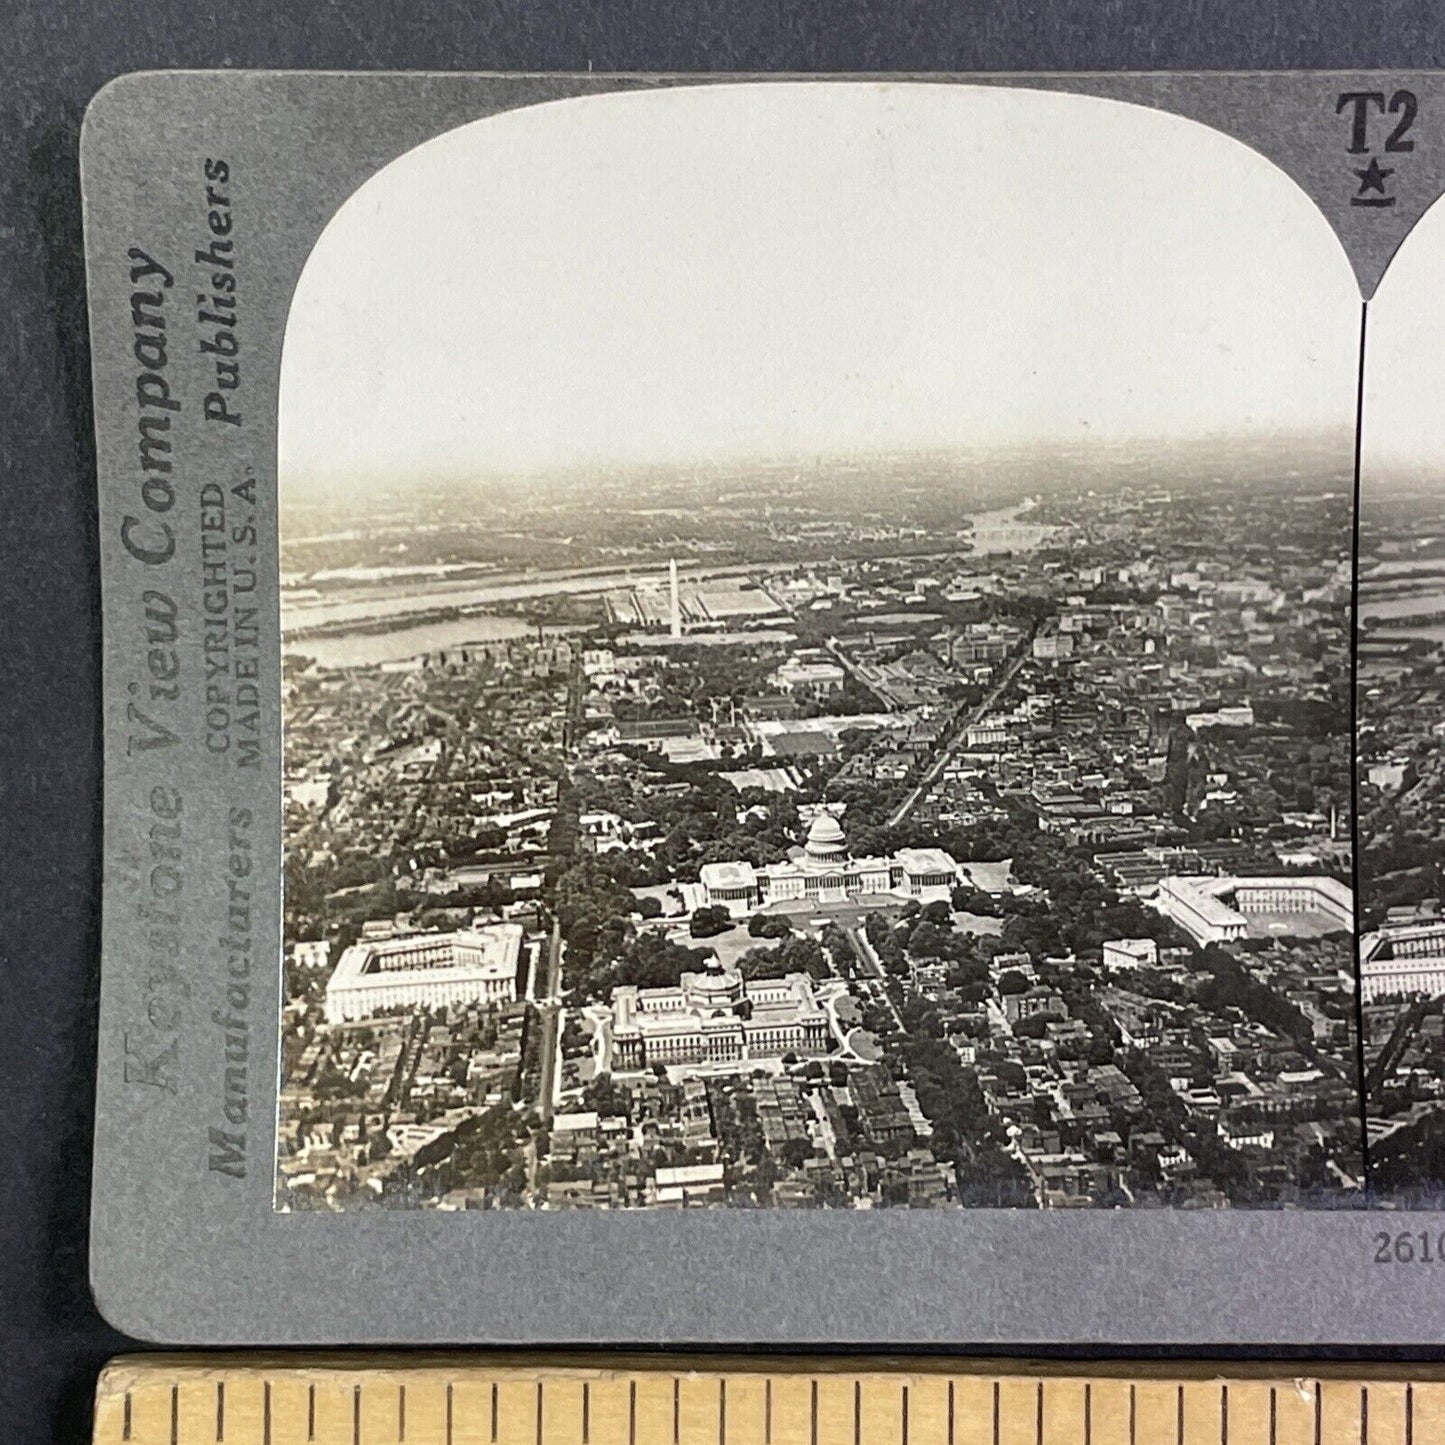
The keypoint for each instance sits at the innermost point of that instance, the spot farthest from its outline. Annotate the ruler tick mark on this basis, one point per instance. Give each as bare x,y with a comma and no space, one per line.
259,1416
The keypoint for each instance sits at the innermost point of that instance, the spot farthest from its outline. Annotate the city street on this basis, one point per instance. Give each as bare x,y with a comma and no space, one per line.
945,751
550,1008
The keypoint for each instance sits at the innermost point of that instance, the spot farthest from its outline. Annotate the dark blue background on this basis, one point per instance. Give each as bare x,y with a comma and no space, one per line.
53,57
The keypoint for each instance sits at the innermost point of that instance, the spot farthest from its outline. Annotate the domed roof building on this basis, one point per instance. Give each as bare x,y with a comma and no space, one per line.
824,871
717,1017
826,838
714,990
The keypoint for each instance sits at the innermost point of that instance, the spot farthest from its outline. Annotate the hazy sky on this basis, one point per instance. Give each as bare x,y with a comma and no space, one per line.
1405,359
782,269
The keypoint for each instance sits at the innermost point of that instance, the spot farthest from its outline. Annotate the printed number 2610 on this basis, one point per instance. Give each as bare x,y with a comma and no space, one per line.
1410,1248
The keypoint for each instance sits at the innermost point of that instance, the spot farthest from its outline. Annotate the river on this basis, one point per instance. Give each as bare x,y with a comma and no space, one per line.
373,649
322,621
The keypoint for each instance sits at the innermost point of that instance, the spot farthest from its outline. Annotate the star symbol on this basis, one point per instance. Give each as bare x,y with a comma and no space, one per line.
1373,177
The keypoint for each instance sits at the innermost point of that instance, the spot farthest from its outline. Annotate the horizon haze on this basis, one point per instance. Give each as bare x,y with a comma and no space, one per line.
708,276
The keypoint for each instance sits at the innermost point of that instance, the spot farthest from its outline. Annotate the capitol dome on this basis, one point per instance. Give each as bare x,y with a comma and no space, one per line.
826,838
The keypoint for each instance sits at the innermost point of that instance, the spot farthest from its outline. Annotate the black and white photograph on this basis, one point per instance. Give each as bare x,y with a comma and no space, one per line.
816,667
1401,705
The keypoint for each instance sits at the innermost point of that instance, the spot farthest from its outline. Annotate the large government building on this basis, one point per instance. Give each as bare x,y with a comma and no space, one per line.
717,1017
1216,910
826,873
1403,959
425,970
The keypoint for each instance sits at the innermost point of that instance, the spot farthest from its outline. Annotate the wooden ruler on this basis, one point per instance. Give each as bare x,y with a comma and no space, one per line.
671,1400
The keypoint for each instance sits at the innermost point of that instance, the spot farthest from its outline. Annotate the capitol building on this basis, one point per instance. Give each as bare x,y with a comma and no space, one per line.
825,872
